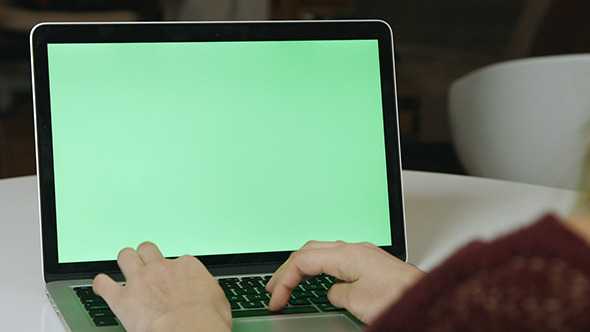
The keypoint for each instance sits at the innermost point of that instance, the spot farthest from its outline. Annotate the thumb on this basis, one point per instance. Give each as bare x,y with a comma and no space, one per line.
339,294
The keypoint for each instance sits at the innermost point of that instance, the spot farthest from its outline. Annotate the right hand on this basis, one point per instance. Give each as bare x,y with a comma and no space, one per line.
368,278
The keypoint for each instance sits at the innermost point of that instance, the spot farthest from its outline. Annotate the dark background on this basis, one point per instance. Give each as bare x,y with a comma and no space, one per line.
436,42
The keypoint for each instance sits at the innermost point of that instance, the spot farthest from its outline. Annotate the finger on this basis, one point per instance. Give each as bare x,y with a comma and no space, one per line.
338,294
129,261
310,245
337,260
148,252
281,291
308,263
271,283
106,287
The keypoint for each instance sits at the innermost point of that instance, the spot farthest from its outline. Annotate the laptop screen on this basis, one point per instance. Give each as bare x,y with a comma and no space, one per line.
216,147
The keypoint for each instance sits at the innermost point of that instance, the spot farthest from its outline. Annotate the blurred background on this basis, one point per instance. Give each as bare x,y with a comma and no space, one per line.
436,42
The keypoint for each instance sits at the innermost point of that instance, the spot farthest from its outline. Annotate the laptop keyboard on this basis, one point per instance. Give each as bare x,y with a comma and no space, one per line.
96,307
246,295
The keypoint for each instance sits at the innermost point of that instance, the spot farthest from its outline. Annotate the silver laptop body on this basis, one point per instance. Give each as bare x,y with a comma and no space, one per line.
235,142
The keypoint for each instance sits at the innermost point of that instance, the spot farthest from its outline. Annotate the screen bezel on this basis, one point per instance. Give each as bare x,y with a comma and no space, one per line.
48,33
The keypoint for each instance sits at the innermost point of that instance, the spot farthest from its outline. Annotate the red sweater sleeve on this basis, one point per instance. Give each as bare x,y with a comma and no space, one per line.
535,279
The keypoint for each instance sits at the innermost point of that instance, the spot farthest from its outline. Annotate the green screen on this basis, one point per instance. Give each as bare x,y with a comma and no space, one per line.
216,147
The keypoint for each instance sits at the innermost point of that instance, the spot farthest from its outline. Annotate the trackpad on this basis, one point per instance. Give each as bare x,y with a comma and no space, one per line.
324,323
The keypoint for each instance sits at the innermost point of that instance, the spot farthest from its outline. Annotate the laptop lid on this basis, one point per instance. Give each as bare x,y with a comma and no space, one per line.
232,142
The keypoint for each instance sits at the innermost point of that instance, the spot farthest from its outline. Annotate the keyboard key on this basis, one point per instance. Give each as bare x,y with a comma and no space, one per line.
229,285
299,288
298,310
88,299
101,313
105,321
310,287
244,291
250,284
236,298
301,301
318,300
257,297
228,292
313,280
84,291
302,294
261,290
252,304
258,278
96,306
328,307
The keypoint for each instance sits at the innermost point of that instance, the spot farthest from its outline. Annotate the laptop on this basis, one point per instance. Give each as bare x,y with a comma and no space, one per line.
235,142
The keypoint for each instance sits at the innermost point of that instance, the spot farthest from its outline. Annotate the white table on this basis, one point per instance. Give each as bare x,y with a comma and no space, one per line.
442,212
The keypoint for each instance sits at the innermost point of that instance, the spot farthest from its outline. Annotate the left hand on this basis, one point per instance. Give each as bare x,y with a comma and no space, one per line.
164,294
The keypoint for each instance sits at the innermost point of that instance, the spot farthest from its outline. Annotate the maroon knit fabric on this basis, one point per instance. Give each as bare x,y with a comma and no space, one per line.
537,279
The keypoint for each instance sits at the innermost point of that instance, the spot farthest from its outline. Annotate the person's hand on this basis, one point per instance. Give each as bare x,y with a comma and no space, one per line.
164,294
368,278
